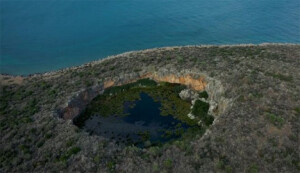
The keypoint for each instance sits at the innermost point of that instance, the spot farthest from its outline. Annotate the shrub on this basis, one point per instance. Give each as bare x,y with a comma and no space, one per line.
200,109
70,142
3,106
180,60
275,119
281,77
142,82
168,163
144,135
146,82
80,74
208,120
48,135
44,85
297,111
26,119
178,88
252,169
111,165
69,153
52,92
220,164
97,159
155,167
31,108
40,143
228,169
88,83
203,95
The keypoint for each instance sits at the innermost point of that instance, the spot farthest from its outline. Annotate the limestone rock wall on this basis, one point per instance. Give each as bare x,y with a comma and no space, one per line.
79,102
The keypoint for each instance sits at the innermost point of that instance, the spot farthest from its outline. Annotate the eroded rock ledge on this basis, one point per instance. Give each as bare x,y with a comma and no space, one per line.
197,83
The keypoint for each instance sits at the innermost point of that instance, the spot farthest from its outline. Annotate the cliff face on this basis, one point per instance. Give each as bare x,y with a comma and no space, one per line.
78,102
197,84
108,84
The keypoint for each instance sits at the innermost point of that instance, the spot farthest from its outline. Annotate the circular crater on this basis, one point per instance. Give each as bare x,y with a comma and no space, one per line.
146,113
149,111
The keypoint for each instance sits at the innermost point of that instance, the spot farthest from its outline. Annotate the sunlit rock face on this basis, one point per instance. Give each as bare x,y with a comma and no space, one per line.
188,94
197,84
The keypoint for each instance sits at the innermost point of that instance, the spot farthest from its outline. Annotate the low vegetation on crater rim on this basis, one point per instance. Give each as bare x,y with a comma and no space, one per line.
253,92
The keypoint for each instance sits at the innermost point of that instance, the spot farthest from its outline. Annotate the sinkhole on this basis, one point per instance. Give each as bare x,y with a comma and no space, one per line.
145,113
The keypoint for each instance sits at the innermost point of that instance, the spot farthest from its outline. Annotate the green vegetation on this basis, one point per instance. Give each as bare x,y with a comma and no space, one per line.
64,157
252,169
31,107
297,110
139,83
44,85
97,159
232,52
228,169
40,143
275,119
168,163
111,166
223,164
113,99
281,77
203,95
144,135
200,110
70,142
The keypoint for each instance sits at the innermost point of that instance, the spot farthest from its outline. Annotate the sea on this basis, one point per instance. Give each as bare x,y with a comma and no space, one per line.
44,35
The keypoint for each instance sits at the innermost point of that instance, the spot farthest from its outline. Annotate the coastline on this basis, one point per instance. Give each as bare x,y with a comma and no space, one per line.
98,61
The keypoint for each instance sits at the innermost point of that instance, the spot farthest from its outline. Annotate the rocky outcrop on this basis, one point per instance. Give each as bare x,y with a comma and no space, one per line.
197,84
188,94
108,84
79,102
218,103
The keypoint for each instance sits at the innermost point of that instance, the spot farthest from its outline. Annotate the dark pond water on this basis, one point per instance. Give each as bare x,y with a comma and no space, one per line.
143,126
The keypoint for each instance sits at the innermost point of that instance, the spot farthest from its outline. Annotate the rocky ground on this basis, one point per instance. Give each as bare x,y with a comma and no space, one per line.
254,90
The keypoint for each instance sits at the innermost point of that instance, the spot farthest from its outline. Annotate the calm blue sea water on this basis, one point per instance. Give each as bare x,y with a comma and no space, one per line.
44,35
